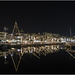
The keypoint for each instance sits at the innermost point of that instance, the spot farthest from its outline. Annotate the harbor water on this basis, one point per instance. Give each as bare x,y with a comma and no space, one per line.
49,59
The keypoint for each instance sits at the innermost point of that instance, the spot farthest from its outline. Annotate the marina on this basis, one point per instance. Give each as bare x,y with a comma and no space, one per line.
19,39
37,37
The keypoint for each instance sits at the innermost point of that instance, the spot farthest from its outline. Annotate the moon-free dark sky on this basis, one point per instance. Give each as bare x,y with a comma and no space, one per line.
53,17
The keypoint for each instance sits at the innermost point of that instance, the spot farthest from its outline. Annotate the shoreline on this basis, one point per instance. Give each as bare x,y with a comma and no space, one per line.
31,45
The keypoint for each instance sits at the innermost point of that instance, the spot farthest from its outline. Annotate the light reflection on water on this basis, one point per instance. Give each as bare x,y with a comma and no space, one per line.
16,54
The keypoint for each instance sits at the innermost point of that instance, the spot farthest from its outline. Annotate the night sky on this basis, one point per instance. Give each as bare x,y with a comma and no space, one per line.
53,17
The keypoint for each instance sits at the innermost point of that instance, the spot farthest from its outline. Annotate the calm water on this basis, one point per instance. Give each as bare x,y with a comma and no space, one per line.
45,59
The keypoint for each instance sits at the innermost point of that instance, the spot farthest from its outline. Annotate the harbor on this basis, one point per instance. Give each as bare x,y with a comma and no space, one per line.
19,38
17,57
37,37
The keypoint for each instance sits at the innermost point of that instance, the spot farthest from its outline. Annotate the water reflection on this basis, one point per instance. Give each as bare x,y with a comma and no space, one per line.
16,54
71,52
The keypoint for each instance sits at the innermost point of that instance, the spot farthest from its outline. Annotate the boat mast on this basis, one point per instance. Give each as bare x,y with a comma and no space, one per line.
70,38
70,32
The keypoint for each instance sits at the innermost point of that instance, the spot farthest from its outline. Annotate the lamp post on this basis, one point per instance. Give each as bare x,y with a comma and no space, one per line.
5,29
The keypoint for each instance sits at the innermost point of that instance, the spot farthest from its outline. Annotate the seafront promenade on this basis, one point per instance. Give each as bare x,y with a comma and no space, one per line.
19,38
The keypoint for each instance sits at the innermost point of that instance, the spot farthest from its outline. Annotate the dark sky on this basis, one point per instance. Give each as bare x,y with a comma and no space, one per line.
55,17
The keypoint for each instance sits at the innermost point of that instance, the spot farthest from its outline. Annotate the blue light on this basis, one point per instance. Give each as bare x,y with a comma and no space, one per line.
18,49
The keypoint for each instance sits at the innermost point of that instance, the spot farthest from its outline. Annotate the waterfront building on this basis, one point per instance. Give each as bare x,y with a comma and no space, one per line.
3,35
33,38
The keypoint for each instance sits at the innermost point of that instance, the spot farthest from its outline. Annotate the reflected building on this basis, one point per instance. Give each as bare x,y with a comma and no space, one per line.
71,52
16,54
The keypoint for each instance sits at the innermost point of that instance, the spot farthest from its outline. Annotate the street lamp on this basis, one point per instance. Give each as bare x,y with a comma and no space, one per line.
5,29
